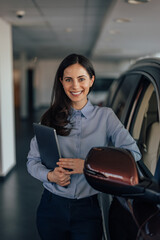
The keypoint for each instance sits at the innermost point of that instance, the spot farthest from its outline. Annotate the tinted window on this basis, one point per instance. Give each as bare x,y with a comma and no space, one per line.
124,95
102,84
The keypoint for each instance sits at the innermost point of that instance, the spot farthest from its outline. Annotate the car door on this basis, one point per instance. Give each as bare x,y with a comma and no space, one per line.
136,103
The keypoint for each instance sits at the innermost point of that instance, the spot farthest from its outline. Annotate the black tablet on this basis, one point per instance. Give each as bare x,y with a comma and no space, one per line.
48,145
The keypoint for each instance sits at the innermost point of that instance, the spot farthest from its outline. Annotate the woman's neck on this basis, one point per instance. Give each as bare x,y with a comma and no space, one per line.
79,106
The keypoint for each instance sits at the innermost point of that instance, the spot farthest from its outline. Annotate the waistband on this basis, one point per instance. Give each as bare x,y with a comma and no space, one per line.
86,200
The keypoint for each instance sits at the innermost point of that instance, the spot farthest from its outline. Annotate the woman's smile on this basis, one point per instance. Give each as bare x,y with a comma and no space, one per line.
76,93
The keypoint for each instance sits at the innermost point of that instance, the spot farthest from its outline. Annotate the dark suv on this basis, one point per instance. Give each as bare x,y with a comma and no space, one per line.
135,98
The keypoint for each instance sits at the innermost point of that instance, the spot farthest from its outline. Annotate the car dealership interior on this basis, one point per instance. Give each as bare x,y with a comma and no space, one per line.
118,36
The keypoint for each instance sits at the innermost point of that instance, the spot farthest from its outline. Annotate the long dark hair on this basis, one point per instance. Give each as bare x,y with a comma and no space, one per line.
57,116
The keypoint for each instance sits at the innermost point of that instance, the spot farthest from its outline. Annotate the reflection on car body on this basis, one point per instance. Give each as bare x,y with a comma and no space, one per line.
135,98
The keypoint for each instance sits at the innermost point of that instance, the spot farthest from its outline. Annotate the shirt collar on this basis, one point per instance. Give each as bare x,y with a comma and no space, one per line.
85,111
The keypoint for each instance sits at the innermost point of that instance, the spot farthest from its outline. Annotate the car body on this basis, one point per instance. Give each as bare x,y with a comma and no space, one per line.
135,98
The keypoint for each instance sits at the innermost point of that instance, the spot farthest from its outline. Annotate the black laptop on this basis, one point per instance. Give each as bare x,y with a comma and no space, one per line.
48,145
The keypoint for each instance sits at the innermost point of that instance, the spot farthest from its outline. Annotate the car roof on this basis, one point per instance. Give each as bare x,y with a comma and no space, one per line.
150,66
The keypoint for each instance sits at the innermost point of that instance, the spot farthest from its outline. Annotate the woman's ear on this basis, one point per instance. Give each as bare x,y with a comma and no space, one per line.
61,80
92,80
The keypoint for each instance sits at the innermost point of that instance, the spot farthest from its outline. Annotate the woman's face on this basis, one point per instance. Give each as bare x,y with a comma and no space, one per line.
76,83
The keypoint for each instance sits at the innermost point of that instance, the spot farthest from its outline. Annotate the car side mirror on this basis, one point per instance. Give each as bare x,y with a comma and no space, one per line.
114,171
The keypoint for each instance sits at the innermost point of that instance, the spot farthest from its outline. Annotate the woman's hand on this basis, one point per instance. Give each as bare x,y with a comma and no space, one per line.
75,164
59,176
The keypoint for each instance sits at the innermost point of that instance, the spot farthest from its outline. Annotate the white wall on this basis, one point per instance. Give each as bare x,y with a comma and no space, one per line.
45,71
7,133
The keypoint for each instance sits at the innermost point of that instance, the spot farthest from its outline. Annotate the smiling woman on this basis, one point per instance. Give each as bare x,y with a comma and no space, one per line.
69,208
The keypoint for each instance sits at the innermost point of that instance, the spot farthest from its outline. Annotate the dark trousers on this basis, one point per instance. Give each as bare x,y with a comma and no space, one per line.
60,218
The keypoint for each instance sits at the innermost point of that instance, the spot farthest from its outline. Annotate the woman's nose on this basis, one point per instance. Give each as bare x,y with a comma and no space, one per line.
75,84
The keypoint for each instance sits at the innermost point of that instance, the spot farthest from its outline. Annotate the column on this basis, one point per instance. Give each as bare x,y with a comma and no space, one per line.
23,88
7,126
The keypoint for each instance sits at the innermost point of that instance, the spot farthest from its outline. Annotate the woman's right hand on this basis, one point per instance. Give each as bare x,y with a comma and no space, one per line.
59,176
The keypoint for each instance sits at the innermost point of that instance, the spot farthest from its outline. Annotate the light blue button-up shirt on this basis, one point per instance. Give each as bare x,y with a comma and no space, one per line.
92,126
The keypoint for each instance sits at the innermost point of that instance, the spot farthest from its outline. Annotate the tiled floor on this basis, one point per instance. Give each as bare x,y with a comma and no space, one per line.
19,192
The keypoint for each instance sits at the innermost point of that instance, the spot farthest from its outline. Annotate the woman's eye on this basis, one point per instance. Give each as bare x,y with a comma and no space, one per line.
67,79
82,79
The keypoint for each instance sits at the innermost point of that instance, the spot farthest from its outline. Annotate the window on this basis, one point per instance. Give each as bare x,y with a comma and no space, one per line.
124,96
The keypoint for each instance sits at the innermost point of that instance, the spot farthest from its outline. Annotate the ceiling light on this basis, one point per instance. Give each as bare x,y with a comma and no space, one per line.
20,13
137,1
122,20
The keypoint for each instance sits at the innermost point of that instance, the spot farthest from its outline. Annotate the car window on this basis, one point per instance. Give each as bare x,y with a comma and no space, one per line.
102,84
99,93
123,97
111,92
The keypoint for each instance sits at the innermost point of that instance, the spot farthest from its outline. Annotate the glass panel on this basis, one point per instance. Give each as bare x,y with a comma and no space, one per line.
125,93
102,84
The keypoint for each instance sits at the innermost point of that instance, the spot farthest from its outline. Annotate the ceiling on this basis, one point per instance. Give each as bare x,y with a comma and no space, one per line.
55,28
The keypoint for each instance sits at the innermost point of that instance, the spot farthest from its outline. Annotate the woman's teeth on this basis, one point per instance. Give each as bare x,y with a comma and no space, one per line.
76,93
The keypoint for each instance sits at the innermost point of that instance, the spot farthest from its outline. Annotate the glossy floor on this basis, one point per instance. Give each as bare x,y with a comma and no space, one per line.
19,192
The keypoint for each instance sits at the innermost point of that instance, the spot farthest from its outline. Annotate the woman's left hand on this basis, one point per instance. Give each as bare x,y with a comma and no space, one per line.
75,164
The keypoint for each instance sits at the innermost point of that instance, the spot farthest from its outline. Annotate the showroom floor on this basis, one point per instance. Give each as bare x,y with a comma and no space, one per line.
19,192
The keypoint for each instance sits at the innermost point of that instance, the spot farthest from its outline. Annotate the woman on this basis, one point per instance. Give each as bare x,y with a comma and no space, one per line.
69,207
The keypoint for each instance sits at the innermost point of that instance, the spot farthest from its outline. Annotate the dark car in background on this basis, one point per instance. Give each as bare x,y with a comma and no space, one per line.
99,92
135,98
